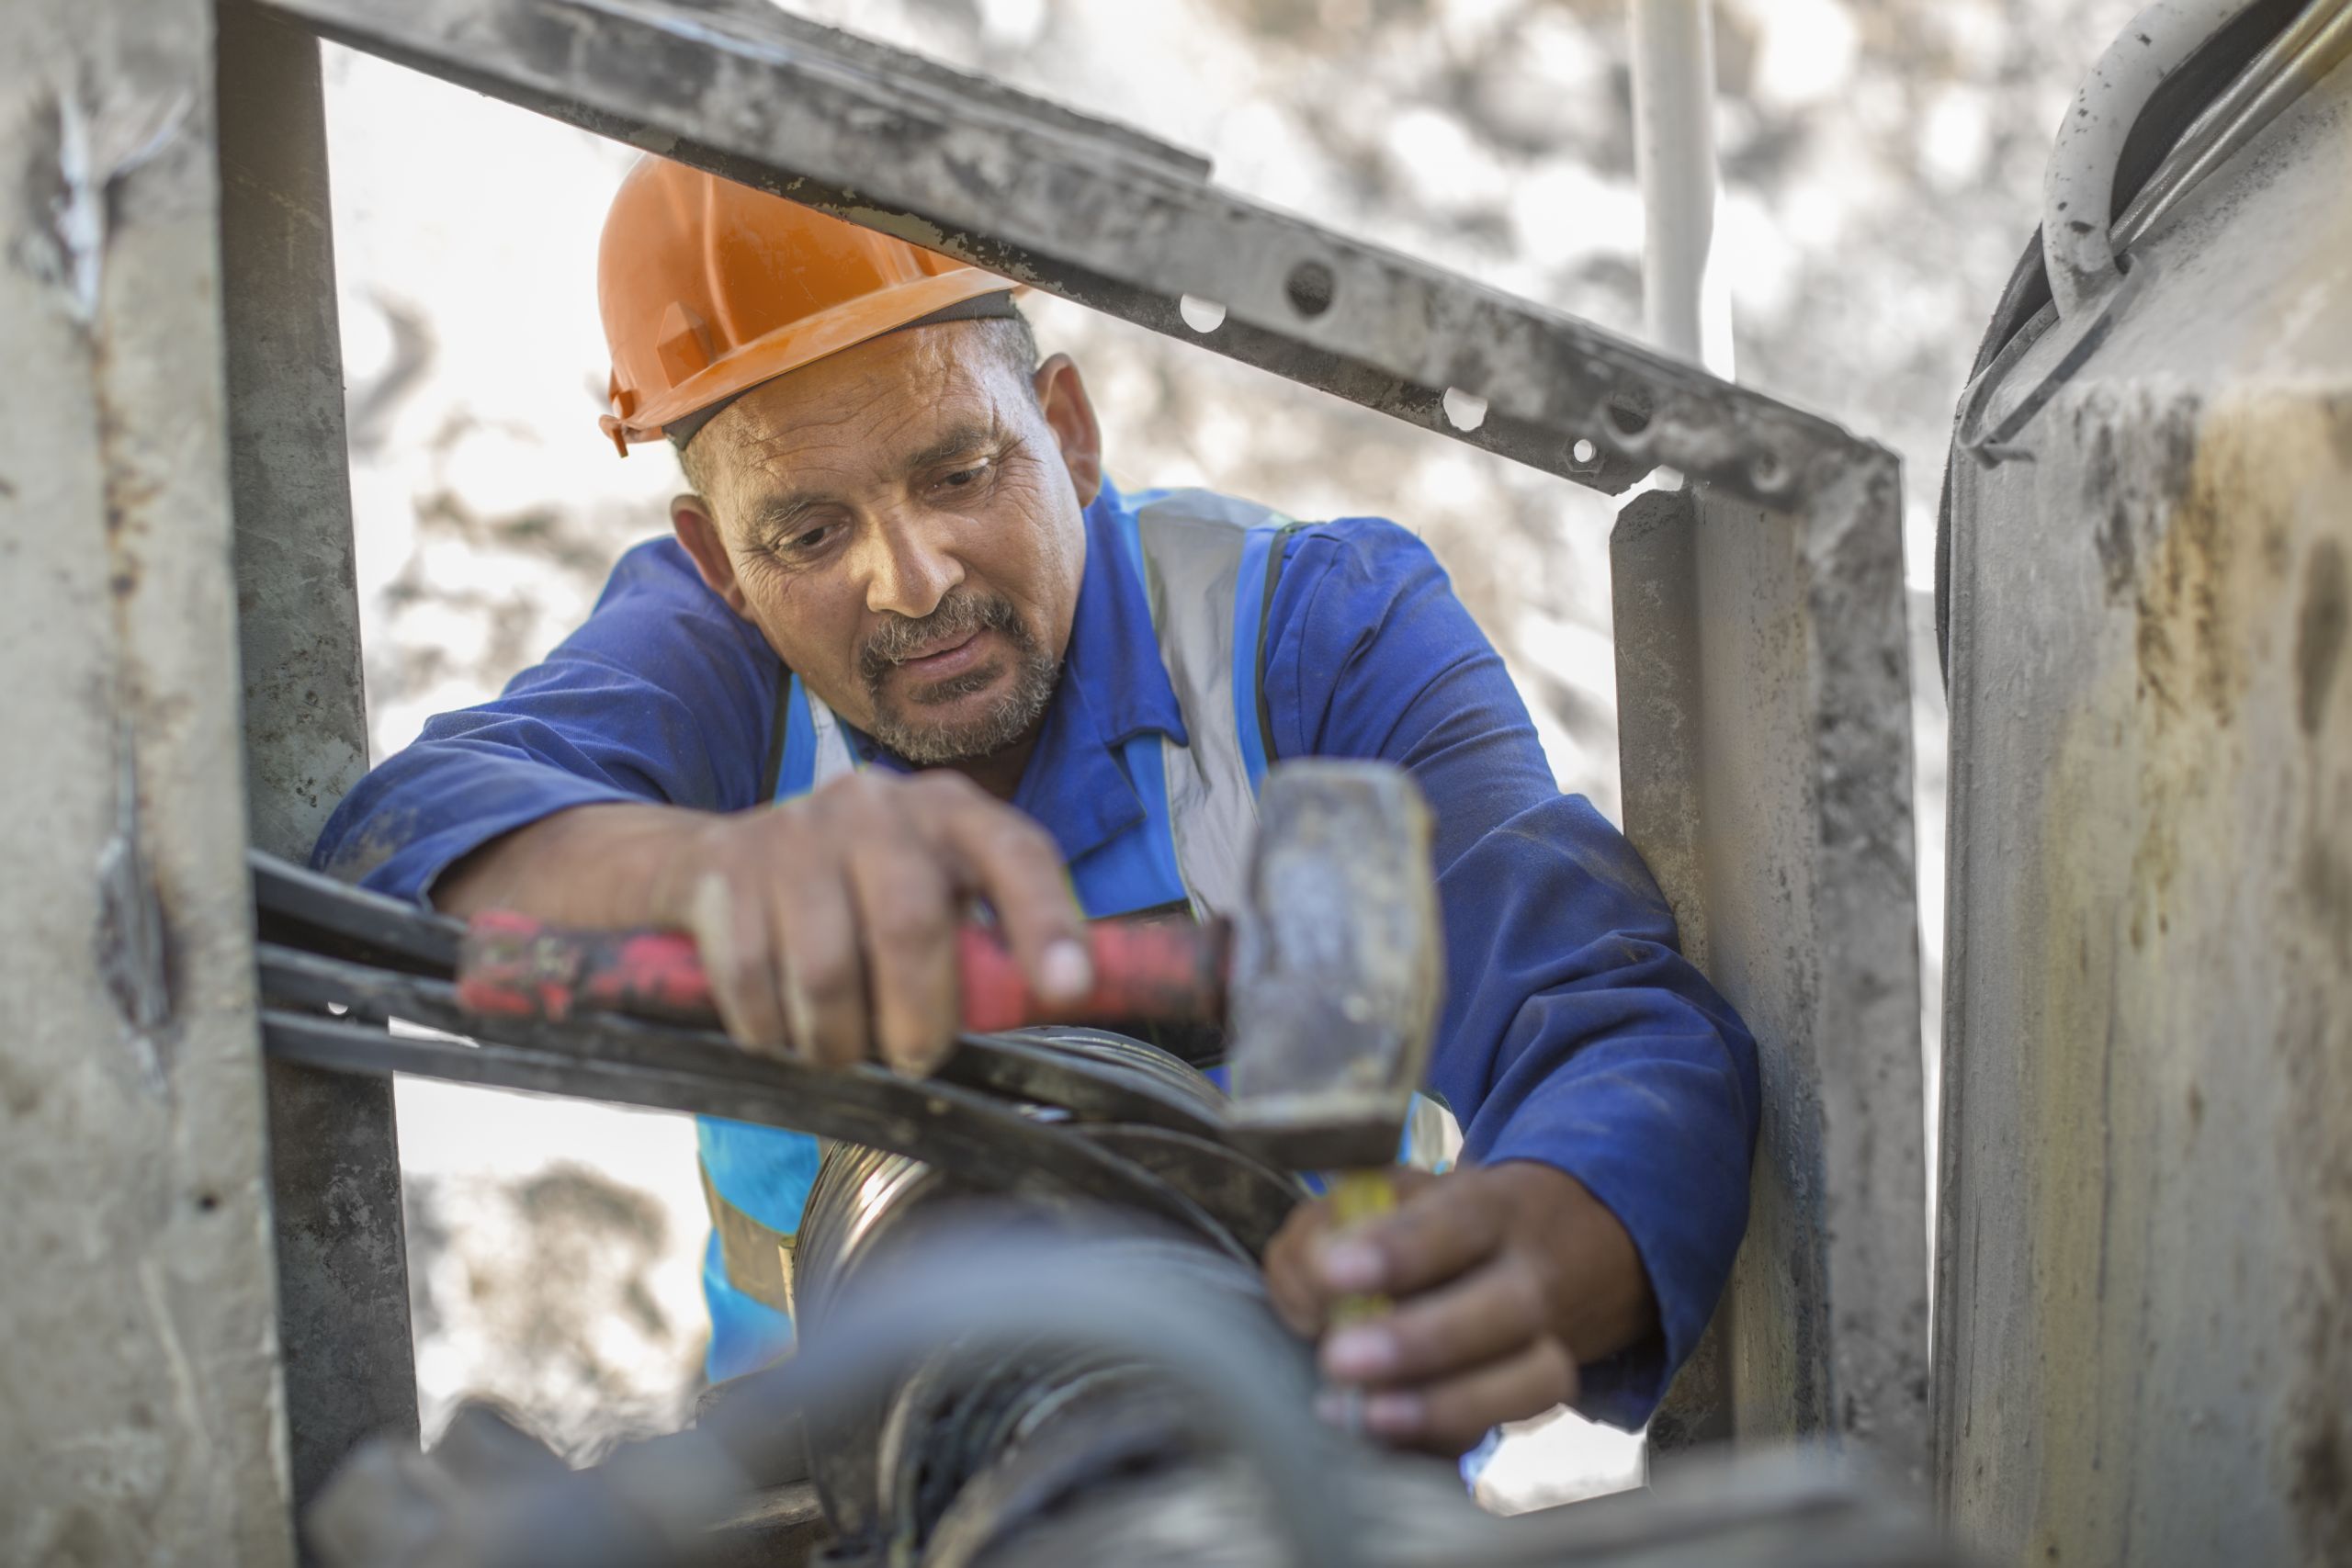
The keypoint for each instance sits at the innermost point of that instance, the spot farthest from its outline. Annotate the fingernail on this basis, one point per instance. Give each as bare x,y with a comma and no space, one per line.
1360,1353
1393,1415
1352,1266
924,1064
1066,973
799,1017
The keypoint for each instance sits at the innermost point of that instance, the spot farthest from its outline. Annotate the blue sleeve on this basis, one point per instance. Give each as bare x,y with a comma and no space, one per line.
1574,1032
664,694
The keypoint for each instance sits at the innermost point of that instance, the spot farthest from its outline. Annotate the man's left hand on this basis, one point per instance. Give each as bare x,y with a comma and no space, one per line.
1504,1279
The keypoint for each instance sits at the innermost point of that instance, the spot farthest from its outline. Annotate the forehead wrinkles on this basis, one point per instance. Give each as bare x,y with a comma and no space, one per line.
861,431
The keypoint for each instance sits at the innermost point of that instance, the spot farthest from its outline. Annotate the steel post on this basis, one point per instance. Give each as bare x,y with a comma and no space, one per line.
1686,302
1764,708
335,1151
1653,587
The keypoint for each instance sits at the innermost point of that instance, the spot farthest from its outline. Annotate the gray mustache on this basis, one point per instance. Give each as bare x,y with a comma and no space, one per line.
959,615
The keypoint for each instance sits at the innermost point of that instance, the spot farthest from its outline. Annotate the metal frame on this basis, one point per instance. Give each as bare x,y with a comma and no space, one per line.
1762,669
2142,1245
335,1151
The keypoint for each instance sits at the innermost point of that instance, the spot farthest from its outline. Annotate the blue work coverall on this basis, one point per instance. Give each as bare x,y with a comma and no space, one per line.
1573,1032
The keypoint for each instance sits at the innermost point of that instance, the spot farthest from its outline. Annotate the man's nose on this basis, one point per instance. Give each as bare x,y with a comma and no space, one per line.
910,568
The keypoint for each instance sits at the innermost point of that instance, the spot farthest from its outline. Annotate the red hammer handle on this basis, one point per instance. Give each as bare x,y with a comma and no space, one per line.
1144,971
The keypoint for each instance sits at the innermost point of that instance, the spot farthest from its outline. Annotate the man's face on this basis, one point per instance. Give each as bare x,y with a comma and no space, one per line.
902,520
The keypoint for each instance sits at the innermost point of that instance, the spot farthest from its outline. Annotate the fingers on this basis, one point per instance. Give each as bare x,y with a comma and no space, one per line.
1313,1263
1485,1314
729,925
822,970
830,925
1450,1414
1470,1341
907,911
1442,1226
1291,1257
1504,1277
1014,864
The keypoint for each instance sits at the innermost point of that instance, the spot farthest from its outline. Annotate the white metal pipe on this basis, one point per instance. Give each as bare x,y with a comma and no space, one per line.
1686,303
2079,187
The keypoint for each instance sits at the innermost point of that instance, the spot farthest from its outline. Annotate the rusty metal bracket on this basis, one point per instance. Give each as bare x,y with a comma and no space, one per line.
1096,213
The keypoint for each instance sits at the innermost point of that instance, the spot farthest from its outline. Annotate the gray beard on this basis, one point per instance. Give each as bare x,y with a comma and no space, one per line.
899,726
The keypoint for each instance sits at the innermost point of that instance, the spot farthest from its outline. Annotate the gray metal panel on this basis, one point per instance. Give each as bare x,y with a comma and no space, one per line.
1079,210
335,1151
1764,705
140,1412
2144,1251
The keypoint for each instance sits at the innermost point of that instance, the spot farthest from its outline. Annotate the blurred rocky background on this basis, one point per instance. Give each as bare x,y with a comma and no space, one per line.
1881,161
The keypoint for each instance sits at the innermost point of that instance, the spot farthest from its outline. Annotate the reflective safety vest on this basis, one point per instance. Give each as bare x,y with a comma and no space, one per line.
1208,564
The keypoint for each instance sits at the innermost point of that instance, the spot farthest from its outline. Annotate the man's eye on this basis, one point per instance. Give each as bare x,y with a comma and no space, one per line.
807,543
963,478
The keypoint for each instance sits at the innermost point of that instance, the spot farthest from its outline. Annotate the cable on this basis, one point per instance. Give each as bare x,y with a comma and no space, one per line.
652,1504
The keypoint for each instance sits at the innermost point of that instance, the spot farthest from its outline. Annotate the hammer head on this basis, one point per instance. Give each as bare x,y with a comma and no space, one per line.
1338,965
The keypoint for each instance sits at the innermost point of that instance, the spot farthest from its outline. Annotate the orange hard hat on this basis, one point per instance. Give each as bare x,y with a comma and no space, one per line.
709,288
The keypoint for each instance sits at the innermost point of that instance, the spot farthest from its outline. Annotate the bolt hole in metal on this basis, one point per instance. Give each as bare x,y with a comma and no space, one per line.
1465,411
1626,419
1311,287
1204,316
1584,451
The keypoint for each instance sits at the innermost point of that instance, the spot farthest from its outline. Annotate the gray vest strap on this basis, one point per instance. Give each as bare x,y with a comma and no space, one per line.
1193,542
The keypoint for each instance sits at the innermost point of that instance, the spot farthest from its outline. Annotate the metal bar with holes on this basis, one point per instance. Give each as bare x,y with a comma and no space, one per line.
1782,835
1089,212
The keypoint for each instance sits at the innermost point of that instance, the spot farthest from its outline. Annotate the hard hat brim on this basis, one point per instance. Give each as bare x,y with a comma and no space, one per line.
802,342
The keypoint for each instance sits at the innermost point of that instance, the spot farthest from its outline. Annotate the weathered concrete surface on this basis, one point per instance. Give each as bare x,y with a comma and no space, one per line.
1764,721
334,1150
140,1412
2145,1245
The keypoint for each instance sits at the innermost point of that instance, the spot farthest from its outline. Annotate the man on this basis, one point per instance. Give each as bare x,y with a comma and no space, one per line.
911,649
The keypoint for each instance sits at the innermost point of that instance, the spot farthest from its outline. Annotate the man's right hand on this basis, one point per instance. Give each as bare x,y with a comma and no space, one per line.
828,924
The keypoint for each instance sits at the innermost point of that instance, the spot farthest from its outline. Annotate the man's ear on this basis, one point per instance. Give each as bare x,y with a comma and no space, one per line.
698,531
1061,393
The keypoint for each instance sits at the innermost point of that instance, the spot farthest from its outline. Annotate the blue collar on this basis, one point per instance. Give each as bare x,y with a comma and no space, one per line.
1113,661
1113,687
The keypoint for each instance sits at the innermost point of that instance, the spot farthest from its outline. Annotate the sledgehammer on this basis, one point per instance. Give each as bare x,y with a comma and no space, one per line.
1327,979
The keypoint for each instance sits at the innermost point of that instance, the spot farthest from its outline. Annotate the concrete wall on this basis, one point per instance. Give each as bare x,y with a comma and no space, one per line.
2144,1351
139,1411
